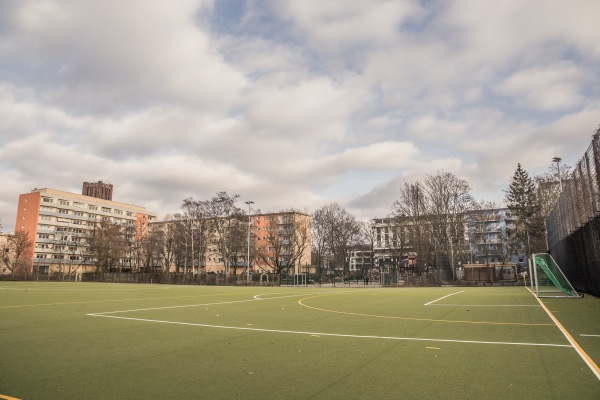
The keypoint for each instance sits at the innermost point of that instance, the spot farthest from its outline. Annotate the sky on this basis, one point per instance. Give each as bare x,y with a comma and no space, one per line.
291,104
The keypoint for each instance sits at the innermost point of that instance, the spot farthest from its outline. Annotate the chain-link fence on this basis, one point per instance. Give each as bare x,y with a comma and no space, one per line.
574,224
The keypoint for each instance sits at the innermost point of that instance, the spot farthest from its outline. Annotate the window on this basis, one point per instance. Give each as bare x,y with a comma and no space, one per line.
61,211
93,208
78,213
43,236
47,200
105,209
63,202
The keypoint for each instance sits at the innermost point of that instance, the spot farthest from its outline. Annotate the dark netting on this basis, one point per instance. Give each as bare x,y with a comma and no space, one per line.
574,223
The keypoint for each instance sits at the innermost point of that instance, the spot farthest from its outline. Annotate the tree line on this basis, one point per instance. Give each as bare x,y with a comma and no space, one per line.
430,218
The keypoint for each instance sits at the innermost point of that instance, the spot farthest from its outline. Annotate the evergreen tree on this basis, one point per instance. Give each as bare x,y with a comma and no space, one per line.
527,234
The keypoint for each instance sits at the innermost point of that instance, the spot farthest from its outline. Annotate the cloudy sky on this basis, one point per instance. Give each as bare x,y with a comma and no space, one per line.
291,104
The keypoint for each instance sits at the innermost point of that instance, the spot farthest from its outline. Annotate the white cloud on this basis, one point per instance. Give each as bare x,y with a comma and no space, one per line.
294,104
93,56
553,87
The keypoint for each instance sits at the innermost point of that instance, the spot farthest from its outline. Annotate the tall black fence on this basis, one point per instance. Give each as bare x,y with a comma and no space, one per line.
574,224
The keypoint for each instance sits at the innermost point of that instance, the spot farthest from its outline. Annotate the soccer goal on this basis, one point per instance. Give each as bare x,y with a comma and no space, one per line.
547,278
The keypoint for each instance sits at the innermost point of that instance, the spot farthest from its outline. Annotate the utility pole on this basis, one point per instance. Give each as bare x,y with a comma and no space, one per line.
248,254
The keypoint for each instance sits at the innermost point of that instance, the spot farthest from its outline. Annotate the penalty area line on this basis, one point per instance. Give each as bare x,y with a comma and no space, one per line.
441,298
320,334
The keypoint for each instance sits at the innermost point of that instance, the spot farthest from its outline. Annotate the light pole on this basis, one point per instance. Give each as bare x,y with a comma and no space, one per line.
557,160
248,255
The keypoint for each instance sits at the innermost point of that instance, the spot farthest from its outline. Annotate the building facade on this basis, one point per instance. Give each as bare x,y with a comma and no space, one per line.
281,241
485,241
59,224
98,189
274,242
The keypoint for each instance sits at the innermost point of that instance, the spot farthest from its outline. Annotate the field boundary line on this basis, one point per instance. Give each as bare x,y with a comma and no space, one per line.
317,334
4,397
586,358
583,334
443,297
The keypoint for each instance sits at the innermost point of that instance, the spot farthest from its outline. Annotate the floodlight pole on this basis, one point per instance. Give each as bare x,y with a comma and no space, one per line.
557,160
248,255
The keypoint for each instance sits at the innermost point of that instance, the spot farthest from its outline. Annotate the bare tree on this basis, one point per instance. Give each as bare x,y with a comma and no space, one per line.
197,230
412,216
340,231
224,217
152,250
286,243
18,254
169,238
449,198
107,246
368,239
320,244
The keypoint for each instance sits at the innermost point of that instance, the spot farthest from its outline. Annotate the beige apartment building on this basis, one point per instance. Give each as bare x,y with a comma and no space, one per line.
59,223
275,242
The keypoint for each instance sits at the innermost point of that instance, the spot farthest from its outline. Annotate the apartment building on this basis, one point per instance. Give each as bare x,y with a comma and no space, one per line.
485,240
360,260
274,241
282,239
488,236
391,246
59,224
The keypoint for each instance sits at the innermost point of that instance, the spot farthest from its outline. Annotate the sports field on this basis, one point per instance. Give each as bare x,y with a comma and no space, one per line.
119,341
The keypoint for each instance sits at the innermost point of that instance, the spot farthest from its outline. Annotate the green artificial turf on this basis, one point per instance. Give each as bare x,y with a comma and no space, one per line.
72,341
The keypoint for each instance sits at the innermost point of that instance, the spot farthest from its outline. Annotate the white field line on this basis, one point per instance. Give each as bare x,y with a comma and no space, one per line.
582,334
330,334
219,303
485,305
441,298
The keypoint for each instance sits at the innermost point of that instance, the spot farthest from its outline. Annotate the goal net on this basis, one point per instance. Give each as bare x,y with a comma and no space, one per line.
548,279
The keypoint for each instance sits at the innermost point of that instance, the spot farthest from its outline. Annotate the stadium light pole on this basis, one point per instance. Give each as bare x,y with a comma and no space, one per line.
557,160
248,255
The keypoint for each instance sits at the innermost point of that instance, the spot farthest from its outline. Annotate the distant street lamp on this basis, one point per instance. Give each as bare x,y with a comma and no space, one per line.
557,160
248,255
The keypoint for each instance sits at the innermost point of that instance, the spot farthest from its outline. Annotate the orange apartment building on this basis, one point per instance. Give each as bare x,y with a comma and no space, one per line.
282,238
58,223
